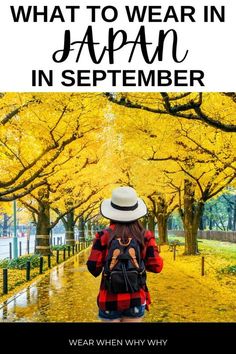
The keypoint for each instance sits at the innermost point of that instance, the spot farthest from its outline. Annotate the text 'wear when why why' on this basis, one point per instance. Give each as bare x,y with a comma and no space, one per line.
114,342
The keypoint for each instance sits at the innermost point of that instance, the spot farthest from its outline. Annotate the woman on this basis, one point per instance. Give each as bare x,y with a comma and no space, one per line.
123,210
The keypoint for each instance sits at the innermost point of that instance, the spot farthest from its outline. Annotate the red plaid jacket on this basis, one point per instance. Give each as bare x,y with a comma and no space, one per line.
153,263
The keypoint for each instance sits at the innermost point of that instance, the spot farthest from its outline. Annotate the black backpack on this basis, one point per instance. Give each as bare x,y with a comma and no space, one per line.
124,270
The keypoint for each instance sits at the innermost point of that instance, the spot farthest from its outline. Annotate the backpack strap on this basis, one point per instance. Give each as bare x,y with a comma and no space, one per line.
133,257
114,259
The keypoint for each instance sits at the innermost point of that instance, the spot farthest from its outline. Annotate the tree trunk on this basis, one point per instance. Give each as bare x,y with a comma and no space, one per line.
5,225
70,229
89,223
202,221
234,217
210,220
170,223
162,218
151,223
230,218
191,218
81,229
42,239
145,222
94,226
162,228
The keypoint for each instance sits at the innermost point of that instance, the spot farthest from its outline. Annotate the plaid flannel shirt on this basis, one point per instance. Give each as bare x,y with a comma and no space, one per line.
153,263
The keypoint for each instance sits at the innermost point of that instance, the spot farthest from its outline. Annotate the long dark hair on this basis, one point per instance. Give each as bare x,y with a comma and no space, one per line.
132,229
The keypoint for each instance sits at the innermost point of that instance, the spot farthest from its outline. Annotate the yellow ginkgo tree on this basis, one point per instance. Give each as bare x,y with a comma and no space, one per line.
195,160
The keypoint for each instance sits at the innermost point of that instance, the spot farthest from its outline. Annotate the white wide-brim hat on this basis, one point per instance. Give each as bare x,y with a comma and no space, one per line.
123,206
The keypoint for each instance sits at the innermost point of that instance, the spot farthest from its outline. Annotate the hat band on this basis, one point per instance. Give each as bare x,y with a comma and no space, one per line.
125,208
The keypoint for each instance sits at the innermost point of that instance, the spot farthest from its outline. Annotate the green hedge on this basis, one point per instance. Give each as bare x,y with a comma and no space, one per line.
229,270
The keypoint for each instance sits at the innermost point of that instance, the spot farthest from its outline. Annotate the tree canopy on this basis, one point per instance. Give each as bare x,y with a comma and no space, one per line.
62,153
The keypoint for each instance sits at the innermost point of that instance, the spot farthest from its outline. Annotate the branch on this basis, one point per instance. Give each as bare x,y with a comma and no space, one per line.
37,173
71,209
90,208
172,110
179,96
51,148
127,103
153,203
4,143
64,221
194,178
172,209
201,147
228,128
222,187
13,113
175,111
87,219
20,173
29,207
22,194
231,204
232,95
172,158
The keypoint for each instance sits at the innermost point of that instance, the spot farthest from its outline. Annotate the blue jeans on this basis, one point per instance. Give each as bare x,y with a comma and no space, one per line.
132,312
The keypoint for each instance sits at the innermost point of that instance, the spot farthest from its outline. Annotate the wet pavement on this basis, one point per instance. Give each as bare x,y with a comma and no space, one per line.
66,294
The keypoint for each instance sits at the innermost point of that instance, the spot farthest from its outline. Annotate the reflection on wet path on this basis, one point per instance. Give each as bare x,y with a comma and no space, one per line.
66,294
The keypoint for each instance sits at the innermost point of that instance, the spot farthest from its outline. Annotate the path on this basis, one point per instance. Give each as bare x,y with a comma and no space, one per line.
68,294
180,294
